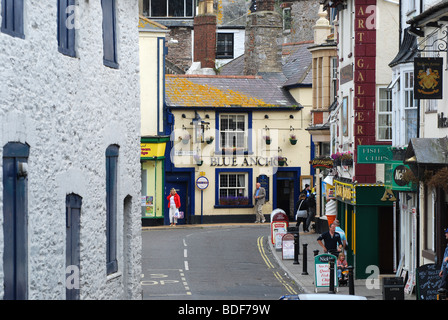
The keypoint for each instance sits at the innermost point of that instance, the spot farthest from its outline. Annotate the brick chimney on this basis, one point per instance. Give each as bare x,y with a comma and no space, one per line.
263,40
205,35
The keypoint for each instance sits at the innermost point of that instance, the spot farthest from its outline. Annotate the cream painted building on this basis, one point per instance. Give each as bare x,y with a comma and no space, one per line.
153,141
238,113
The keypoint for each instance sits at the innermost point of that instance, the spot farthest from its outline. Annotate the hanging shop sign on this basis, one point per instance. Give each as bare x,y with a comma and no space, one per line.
394,176
323,163
428,76
344,192
374,154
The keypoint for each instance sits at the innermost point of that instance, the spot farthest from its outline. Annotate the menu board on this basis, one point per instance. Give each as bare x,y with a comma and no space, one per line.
428,282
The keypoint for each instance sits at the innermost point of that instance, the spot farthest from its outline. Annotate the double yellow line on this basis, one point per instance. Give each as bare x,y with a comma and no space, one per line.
271,266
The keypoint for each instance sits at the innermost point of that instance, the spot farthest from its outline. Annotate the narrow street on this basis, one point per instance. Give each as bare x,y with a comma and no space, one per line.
212,263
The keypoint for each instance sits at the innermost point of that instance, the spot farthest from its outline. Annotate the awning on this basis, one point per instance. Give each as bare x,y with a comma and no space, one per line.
427,151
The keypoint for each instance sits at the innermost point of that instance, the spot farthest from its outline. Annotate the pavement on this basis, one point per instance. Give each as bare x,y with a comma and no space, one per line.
362,287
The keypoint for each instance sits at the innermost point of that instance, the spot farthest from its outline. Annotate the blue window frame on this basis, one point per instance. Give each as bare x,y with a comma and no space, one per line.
243,181
12,18
15,221
109,34
73,203
111,208
66,27
233,133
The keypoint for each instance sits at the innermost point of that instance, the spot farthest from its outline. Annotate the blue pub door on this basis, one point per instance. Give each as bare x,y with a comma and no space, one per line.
15,221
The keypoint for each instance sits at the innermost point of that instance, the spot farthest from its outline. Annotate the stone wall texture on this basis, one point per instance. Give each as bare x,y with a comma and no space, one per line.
69,110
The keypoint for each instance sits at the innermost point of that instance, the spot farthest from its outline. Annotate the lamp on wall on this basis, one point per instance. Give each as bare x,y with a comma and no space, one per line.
198,127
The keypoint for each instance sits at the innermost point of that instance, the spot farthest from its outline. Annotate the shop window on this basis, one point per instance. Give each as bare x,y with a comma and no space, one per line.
12,18
66,27
109,34
111,208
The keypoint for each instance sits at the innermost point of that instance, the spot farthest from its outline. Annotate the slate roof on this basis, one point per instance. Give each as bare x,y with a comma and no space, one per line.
296,66
427,151
227,91
407,50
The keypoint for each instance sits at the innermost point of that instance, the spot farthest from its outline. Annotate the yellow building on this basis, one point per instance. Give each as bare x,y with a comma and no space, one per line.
153,140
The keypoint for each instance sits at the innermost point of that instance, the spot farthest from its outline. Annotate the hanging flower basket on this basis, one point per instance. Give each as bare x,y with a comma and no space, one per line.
267,139
293,139
281,161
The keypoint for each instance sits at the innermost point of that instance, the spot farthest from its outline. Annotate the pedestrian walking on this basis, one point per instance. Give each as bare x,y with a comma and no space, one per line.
302,212
311,210
341,233
332,241
173,206
259,197
443,270
306,190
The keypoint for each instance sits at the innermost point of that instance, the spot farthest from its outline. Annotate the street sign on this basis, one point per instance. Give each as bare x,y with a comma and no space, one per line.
374,154
202,183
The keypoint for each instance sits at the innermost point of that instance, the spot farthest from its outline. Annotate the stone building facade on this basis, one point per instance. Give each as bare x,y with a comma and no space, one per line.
69,143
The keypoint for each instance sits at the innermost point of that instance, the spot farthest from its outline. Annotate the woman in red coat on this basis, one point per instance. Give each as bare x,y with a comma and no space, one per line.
173,205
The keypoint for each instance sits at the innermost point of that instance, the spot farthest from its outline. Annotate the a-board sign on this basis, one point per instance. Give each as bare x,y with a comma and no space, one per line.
428,282
288,246
322,270
278,238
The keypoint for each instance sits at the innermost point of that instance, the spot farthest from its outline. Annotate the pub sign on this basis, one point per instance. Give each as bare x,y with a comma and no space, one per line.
428,75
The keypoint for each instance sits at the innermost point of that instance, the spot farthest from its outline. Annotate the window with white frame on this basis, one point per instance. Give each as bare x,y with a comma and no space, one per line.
287,19
224,46
233,131
334,80
384,119
233,188
410,106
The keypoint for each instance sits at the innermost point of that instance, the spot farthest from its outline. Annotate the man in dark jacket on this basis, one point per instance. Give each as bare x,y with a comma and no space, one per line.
332,240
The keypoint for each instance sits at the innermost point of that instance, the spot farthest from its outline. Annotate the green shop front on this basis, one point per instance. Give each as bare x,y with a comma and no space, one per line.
365,212
152,161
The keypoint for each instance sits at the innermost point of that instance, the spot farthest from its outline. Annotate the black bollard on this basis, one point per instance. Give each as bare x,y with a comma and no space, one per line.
331,277
304,266
296,248
351,281
316,252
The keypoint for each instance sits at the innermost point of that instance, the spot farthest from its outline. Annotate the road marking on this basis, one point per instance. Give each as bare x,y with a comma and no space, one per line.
284,283
263,254
186,266
185,253
185,243
271,266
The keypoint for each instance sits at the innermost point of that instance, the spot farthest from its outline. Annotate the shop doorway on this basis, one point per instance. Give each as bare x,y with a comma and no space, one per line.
182,190
286,190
